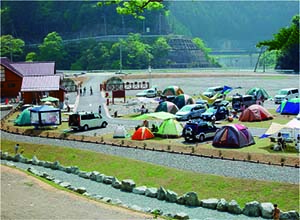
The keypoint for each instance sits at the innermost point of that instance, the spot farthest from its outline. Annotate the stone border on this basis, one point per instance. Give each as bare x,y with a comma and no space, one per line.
251,209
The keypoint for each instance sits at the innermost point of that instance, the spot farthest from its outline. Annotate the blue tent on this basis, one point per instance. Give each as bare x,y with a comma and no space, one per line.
45,115
291,106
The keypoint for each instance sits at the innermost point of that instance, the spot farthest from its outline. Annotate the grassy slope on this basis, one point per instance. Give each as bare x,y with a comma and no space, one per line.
207,186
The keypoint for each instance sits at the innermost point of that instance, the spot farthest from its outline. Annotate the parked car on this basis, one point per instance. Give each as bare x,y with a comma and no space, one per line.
149,93
220,112
288,93
198,131
211,91
86,120
239,100
189,112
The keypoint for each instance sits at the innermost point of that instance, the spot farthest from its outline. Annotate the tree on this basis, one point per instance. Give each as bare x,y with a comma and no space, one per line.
11,46
160,50
286,41
134,7
31,57
52,48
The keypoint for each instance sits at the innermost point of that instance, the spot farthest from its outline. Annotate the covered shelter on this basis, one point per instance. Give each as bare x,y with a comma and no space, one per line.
23,118
155,115
142,133
170,128
167,106
255,113
172,91
289,107
233,136
182,100
45,115
120,132
258,93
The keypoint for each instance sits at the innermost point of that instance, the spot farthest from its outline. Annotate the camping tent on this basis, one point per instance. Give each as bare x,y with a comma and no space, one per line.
155,115
260,93
167,106
170,128
142,133
291,106
120,132
233,136
255,113
45,115
172,91
182,100
23,118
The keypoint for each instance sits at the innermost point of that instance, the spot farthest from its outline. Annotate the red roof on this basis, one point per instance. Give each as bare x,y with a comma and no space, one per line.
35,68
40,83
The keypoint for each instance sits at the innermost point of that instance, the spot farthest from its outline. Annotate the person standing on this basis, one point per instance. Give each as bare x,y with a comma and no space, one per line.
276,212
16,148
99,110
91,90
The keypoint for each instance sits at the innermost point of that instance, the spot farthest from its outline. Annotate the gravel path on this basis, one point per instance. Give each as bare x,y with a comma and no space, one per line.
235,169
131,199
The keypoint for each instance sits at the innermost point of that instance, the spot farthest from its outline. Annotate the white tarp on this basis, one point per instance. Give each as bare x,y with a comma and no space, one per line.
274,128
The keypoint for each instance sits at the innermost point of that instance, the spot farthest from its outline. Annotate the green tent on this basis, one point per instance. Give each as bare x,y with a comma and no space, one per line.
260,93
23,118
155,115
170,128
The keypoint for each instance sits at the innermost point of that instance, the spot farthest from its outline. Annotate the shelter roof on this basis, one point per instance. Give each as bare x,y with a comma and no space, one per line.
35,68
40,83
6,63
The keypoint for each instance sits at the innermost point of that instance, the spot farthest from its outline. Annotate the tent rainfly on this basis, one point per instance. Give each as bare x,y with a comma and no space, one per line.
291,106
170,128
142,133
120,132
167,106
255,113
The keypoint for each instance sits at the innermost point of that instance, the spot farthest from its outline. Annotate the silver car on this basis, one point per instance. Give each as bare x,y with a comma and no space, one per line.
189,112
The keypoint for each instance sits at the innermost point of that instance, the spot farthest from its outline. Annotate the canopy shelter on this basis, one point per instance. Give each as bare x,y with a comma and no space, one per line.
182,100
23,118
50,99
45,115
172,91
291,106
142,133
258,93
255,113
155,115
167,106
170,128
233,136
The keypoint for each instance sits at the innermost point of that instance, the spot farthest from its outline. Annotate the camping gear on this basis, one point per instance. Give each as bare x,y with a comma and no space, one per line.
182,100
45,115
258,93
23,118
211,100
255,113
233,136
49,99
120,132
167,106
172,91
170,128
142,133
291,106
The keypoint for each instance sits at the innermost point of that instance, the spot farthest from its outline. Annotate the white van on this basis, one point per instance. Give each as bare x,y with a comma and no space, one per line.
86,120
288,93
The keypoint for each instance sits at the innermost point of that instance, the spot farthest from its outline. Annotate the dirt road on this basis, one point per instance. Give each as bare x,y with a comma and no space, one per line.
25,197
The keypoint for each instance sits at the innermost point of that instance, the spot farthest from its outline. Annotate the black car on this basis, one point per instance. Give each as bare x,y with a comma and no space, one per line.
198,131
219,112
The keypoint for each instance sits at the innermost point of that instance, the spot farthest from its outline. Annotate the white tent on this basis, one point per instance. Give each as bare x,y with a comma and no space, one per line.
294,124
274,128
120,132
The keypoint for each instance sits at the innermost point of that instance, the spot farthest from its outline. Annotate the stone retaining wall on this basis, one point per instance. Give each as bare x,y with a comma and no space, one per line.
251,209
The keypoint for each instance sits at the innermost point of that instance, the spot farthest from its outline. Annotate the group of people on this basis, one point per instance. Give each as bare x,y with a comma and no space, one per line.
83,91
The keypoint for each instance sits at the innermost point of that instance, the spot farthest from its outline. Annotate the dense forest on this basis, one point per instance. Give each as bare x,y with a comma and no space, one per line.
222,25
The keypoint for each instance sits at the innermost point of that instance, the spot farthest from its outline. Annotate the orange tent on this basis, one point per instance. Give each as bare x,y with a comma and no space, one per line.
142,133
255,113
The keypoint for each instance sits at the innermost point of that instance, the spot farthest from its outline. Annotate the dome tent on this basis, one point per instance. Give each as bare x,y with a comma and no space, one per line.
167,106
120,132
233,136
259,93
172,91
182,100
24,118
291,106
170,128
142,133
255,113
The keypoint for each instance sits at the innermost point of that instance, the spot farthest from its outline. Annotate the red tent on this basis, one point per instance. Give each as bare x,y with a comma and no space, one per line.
142,133
255,113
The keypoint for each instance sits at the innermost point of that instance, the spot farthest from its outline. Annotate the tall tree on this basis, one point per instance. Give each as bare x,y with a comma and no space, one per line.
11,46
52,48
287,42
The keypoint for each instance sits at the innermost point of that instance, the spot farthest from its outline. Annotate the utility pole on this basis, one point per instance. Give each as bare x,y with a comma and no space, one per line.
120,71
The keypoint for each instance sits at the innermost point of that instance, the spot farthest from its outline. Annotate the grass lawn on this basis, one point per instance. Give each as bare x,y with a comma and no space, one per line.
207,186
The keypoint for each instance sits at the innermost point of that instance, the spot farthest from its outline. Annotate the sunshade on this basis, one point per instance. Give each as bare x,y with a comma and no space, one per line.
50,99
158,115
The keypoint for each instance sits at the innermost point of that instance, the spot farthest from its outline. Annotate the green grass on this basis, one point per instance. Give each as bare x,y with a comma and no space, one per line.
207,186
